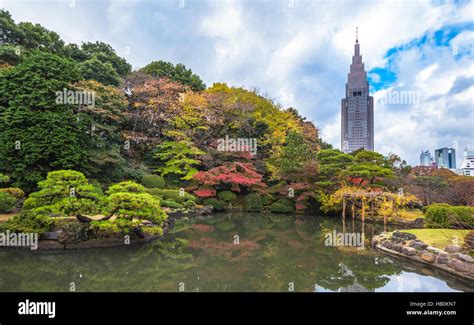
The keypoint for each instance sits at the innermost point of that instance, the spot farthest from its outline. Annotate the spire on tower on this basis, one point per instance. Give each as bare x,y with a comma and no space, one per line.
357,34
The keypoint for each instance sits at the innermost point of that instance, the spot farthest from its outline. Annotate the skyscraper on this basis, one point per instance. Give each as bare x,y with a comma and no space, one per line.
445,158
467,165
357,108
425,158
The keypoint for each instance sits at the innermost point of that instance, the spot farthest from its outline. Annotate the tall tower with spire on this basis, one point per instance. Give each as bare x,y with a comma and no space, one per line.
357,108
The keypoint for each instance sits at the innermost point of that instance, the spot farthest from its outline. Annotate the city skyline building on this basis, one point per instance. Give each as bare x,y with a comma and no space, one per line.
467,165
445,158
357,108
425,158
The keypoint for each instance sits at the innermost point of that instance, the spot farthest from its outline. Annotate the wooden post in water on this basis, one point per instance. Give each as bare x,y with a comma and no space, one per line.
343,207
363,208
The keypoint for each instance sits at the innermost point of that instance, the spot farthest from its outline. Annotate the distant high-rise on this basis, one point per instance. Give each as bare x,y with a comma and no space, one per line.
445,158
467,165
357,108
425,158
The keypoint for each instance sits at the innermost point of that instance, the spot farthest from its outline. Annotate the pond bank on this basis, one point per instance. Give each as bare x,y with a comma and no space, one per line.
408,246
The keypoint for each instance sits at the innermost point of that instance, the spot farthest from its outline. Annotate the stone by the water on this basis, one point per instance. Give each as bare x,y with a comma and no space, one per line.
404,235
418,244
458,265
428,257
409,251
463,257
442,258
453,249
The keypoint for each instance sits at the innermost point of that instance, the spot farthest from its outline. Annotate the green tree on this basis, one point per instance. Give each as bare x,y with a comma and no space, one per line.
37,134
370,167
331,164
63,193
105,53
177,157
294,158
104,120
98,70
177,73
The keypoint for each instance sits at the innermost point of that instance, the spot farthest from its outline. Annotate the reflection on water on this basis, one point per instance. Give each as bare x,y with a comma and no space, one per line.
238,252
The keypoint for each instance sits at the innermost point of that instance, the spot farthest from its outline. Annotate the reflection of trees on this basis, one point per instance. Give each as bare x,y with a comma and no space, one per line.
150,267
202,255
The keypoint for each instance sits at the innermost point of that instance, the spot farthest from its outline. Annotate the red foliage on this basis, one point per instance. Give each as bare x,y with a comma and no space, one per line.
358,181
204,192
235,174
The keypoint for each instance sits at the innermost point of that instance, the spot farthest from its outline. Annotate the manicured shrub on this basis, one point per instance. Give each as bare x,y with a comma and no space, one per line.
97,185
28,222
13,191
227,196
170,204
216,204
126,186
446,216
153,181
282,206
253,202
267,199
64,193
136,205
7,202
110,228
171,194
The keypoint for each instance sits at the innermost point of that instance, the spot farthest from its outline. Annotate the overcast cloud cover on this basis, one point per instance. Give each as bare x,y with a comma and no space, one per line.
299,52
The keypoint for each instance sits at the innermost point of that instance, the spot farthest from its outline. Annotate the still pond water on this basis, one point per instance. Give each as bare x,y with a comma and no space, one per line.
273,253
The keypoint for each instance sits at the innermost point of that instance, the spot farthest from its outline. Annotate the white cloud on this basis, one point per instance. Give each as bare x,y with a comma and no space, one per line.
300,56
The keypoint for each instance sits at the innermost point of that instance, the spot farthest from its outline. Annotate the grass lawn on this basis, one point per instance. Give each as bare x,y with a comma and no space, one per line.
410,215
440,238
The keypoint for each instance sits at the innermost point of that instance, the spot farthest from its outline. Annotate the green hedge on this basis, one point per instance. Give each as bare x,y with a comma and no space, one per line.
7,202
216,204
267,199
440,215
282,206
170,204
28,222
171,194
13,191
153,181
253,202
227,196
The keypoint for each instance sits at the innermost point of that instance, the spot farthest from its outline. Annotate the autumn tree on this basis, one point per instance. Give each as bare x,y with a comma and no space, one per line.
234,175
177,73
177,158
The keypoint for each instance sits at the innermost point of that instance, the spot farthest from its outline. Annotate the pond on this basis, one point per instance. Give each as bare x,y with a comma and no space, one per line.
228,252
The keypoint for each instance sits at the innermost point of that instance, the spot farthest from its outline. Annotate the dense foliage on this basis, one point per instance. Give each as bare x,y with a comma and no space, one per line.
157,137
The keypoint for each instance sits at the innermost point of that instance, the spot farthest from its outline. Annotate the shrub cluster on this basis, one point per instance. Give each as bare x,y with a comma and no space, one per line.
441,215
282,206
253,202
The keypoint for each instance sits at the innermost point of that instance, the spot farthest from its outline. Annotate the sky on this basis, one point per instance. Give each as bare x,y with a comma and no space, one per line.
418,54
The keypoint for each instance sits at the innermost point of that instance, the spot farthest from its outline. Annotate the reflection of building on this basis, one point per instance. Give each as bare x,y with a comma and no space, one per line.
445,158
425,158
467,165
357,108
